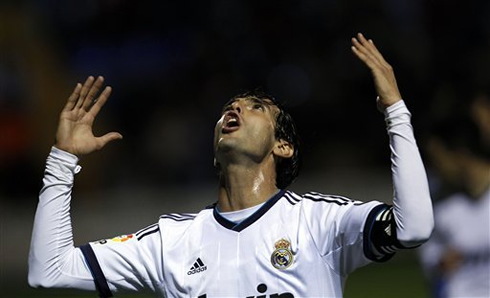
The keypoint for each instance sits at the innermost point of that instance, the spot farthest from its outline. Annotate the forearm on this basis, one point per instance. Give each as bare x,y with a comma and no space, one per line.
53,259
412,203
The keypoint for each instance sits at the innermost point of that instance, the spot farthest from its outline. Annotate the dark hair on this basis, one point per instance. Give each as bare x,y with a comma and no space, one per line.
461,133
287,169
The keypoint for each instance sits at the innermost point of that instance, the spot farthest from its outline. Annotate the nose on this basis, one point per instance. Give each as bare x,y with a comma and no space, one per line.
237,106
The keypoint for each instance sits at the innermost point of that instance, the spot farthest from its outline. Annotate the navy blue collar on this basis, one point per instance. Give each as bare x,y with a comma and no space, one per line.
252,218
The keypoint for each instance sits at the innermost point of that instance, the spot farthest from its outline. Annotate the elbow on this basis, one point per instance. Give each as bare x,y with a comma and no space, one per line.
415,241
39,280
39,275
415,227
34,279
35,271
416,235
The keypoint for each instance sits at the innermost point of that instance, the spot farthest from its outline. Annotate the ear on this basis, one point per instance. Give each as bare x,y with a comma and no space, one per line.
283,149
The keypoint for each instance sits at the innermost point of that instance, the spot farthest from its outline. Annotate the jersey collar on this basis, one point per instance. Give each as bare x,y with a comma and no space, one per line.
252,218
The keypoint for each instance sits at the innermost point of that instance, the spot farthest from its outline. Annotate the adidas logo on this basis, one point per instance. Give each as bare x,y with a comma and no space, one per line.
388,230
197,267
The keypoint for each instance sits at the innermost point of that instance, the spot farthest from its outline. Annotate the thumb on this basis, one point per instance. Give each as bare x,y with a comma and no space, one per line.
108,137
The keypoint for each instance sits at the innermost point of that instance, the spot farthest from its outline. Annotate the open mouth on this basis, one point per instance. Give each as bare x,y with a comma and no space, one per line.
231,122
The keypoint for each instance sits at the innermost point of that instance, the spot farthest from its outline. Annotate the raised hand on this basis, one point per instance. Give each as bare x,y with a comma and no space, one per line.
383,75
74,133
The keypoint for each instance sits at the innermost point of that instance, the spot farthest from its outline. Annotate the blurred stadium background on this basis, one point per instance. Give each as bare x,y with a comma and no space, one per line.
173,64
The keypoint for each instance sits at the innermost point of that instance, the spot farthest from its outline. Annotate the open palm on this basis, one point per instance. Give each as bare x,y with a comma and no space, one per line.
382,72
74,133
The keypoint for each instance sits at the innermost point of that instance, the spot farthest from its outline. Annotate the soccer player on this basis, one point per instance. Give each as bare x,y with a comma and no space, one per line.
457,257
259,239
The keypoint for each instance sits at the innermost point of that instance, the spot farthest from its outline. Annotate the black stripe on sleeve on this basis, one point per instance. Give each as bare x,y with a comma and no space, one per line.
98,275
325,196
178,216
167,216
145,229
339,200
324,199
148,232
291,198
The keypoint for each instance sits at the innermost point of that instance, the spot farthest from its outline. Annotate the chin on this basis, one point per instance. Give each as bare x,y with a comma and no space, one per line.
226,143
224,147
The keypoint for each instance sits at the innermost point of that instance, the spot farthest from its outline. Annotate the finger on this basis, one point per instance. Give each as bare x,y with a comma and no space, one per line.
363,40
367,44
363,55
378,54
366,47
101,100
108,137
360,47
85,88
87,102
72,100
371,47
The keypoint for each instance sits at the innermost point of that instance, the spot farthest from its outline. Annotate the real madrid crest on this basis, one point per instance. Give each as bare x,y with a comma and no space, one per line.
282,257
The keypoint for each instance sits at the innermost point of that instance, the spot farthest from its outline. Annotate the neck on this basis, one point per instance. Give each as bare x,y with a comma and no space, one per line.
244,186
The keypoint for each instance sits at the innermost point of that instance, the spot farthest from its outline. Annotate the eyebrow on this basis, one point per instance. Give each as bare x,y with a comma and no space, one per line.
263,101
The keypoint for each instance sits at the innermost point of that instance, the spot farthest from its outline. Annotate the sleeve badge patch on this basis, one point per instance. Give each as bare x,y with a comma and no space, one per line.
118,239
122,238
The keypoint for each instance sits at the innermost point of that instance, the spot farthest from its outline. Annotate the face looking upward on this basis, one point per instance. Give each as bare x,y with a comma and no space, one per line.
246,129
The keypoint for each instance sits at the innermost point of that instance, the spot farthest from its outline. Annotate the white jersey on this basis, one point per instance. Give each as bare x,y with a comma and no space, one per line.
295,246
291,246
462,224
